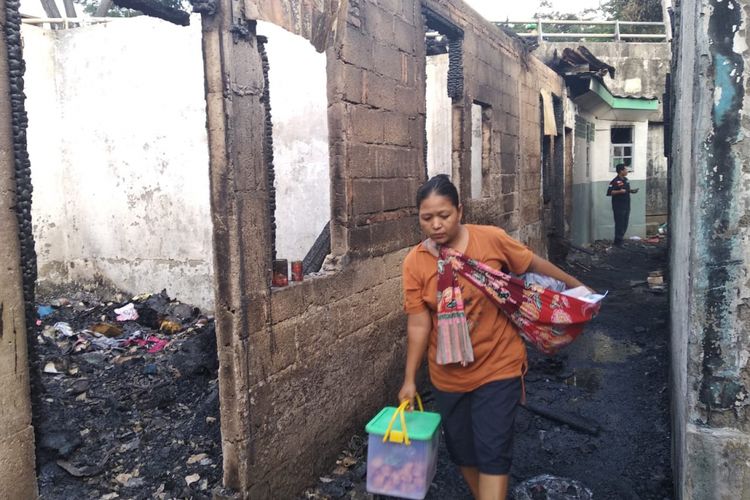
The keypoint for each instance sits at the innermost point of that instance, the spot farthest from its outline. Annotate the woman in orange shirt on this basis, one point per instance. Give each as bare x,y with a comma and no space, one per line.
478,399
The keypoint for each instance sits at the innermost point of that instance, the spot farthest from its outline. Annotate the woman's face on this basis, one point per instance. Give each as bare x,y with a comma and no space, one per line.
439,218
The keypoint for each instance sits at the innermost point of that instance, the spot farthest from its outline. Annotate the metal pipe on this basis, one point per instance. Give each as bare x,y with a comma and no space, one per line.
540,33
584,23
595,35
81,20
644,35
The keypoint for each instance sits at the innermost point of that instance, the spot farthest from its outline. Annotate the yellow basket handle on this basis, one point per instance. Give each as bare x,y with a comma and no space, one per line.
403,435
419,402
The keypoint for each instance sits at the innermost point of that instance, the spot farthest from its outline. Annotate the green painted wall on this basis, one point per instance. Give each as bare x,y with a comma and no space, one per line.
603,220
592,212
580,225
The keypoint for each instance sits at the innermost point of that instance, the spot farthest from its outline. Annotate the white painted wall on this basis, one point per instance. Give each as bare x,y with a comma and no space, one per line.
439,118
117,140
118,147
44,145
299,113
476,151
583,152
602,144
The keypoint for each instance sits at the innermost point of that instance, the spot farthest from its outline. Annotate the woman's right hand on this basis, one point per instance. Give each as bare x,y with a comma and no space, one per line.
408,392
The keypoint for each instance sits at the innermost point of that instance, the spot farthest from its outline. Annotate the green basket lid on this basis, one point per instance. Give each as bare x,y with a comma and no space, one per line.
420,425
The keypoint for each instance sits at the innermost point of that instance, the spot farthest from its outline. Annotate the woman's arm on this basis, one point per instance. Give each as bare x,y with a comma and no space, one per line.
418,327
543,266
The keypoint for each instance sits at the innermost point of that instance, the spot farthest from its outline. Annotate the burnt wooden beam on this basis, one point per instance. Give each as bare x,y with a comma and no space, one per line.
579,424
50,8
103,8
70,9
155,9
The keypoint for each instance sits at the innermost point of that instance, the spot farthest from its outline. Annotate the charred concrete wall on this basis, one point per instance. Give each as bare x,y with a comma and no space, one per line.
304,367
640,71
16,433
120,173
506,81
710,257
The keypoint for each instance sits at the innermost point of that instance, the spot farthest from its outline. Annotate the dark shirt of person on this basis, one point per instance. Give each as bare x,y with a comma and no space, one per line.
617,184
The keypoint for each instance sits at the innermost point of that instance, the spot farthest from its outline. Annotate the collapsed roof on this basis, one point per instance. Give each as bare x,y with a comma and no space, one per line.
584,76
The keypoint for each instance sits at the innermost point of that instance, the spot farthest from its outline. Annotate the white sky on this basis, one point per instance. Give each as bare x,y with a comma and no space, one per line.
500,10
493,10
34,8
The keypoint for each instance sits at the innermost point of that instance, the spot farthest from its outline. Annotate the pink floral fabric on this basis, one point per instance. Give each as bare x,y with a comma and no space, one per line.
546,319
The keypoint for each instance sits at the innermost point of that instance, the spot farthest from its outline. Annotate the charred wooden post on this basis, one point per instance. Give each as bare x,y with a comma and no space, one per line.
156,9
18,270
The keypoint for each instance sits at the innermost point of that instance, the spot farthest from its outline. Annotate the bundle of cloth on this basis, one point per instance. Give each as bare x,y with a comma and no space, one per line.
547,315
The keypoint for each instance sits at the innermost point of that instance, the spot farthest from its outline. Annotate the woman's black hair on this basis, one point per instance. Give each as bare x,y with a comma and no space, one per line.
440,185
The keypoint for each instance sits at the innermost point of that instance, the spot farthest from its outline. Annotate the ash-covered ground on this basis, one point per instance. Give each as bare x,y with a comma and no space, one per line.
611,385
125,408
129,408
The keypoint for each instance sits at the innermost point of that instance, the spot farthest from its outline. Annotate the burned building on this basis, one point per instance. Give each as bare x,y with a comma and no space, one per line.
288,354
412,88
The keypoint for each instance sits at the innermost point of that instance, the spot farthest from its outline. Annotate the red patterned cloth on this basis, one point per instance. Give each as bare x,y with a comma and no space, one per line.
546,319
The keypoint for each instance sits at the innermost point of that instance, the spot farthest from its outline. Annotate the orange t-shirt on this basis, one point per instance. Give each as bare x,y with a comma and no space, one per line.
499,352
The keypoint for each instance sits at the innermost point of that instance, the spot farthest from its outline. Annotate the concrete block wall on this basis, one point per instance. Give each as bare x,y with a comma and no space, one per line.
710,254
16,433
303,367
377,128
499,73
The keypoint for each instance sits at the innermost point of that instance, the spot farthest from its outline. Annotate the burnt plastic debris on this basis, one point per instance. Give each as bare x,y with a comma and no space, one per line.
44,311
548,487
143,401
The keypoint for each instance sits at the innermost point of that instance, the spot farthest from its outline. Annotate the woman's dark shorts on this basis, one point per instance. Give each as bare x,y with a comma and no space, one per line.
478,425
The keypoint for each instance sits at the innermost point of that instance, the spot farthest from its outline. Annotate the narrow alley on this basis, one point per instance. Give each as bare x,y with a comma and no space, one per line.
611,384
207,212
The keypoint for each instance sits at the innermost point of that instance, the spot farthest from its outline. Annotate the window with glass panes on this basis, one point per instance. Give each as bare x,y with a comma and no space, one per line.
622,147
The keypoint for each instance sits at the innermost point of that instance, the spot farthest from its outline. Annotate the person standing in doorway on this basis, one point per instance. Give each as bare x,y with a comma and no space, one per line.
619,190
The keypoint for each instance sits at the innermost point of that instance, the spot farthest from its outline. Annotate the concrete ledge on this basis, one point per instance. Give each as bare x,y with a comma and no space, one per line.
719,467
17,465
15,411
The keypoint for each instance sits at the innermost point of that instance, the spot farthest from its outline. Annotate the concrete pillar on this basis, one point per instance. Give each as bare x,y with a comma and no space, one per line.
241,222
17,475
710,251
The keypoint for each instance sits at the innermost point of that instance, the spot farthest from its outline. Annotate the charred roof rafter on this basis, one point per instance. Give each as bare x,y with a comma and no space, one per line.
455,37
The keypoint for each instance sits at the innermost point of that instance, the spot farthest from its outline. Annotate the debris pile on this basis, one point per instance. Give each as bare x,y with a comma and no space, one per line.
126,398
551,487
346,480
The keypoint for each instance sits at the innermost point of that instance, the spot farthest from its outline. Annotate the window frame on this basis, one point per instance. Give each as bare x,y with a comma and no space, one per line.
616,159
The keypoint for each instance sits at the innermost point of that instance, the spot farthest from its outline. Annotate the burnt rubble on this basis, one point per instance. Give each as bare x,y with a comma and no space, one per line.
597,418
129,408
